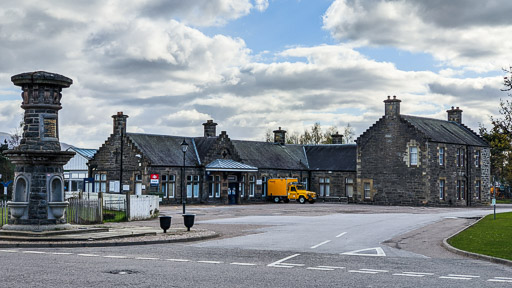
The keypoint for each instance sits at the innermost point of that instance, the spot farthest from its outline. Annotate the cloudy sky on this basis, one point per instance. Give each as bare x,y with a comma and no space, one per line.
254,65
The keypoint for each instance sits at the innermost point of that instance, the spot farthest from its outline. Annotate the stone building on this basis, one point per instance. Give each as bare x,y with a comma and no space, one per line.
217,168
408,160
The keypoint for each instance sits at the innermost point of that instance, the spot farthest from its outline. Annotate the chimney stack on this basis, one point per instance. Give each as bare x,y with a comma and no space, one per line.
119,123
279,136
210,129
337,138
392,107
455,115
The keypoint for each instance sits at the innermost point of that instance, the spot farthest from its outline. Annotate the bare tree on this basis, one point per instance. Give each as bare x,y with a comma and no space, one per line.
348,134
16,135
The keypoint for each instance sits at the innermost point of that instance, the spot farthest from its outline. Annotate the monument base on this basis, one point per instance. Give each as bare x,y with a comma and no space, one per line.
37,228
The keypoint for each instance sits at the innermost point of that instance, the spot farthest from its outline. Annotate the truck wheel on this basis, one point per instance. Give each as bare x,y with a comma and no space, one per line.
312,201
302,200
286,200
276,199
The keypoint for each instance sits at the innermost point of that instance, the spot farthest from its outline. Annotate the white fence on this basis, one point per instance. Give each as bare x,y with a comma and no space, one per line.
141,206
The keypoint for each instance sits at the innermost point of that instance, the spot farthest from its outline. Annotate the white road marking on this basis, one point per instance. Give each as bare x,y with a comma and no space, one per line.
88,255
503,278
115,257
409,275
463,276
378,250
331,267
500,280
455,278
318,245
363,272
279,263
146,258
178,260
338,236
62,253
209,262
9,251
418,273
242,264
33,252
373,270
319,268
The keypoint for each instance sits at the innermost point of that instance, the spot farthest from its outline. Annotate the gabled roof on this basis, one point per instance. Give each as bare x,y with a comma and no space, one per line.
443,131
86,153
229,165
341,157
271,155
203,144
163,150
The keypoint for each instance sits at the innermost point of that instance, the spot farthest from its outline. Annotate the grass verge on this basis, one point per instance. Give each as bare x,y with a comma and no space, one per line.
504,201
489,237
114,216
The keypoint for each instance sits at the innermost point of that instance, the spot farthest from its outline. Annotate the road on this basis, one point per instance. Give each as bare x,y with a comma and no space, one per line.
270,246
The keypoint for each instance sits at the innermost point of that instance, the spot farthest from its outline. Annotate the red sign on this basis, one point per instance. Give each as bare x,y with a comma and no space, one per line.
154,180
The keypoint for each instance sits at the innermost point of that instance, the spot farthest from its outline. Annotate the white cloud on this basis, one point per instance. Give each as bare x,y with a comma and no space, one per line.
417,27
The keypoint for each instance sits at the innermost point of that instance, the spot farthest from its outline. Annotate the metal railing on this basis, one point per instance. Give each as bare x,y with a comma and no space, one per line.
82,211
4,213
114,210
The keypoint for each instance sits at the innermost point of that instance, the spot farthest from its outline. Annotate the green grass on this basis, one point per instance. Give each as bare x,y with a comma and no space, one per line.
504,201
114,216
489,237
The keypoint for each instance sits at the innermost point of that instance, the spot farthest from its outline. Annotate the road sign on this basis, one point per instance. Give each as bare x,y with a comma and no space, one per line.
154,179
493,202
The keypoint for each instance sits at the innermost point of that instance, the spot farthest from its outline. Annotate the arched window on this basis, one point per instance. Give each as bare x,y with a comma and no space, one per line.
21,190
57,193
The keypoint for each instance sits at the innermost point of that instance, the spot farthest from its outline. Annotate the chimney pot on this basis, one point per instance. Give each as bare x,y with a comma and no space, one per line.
392,107
210,129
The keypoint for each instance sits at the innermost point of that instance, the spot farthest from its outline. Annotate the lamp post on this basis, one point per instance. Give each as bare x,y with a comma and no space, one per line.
184,147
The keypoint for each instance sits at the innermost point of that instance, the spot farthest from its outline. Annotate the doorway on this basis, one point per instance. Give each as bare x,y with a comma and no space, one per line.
232,193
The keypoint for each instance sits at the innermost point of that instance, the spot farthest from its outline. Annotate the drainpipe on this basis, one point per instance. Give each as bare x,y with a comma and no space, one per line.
467,175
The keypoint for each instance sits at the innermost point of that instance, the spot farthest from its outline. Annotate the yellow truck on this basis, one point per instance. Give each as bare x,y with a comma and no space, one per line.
286,189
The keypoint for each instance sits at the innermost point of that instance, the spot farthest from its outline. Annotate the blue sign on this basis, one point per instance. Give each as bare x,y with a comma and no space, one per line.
5,184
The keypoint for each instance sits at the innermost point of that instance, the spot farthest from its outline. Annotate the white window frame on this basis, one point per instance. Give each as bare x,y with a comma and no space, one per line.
477,158
478,189
442,184
367,188
252,185
413,156
441,156
242,187
217,186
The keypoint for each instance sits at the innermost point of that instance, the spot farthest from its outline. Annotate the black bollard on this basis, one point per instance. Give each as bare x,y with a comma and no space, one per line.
165,222
189,220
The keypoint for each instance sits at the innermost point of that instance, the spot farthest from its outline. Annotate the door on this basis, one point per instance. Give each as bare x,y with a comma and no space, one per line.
138,188
232,193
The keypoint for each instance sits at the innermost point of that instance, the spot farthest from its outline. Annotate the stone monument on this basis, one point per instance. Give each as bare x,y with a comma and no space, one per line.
38,201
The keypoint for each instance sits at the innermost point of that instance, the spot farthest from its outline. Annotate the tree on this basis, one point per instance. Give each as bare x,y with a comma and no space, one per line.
499,137
6,168
16,135
348,134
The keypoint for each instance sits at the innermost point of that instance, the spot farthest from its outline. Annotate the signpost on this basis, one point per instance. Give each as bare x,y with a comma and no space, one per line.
6,184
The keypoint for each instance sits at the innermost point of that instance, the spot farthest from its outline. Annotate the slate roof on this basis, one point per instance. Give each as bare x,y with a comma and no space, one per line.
332,157
443,131
86,153
203,144
163,150
270,155
229,165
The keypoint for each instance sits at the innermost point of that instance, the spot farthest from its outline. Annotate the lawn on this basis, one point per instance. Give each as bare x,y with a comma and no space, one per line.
3,216
114,216
489,237
504,201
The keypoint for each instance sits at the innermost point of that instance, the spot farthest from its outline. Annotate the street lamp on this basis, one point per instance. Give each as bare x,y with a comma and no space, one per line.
184,147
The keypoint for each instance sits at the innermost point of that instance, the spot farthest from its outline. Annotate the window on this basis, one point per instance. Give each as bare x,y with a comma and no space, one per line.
305,182
193,186
478,189
366,190
242,187
100,182
413,155
264,181
172,186
164,184
441,156
458,188
460,157
477,158
441,189
252,183
211,186
217,186
463,189
324,186
349,187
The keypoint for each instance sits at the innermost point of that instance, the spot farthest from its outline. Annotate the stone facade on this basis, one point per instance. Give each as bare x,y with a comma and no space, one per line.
404,160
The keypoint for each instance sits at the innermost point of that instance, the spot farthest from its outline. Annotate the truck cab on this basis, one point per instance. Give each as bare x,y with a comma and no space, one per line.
297,191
